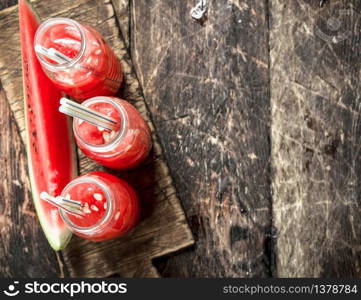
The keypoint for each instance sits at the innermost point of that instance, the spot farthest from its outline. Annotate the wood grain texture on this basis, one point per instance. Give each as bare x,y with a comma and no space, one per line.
163,228
121,8
207,87
258,112
7,3
22,241
316,129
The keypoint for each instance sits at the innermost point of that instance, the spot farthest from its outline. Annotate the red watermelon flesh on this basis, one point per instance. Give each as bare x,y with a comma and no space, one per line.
50,150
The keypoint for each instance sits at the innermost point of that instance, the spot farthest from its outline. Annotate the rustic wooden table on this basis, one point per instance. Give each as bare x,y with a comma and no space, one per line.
258,110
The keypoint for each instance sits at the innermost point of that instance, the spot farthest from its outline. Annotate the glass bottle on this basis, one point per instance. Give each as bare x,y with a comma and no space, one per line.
77,59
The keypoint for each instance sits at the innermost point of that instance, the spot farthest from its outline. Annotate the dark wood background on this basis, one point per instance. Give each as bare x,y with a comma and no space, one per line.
257,109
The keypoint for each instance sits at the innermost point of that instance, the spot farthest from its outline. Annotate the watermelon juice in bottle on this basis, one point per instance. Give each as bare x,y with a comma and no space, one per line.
123,146
109,206
77,59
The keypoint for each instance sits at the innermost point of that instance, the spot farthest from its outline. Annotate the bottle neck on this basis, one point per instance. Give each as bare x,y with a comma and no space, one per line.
43,33
109,202
123,129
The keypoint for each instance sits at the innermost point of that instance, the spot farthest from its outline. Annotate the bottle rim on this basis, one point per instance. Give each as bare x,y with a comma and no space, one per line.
117,139
50,22
105,218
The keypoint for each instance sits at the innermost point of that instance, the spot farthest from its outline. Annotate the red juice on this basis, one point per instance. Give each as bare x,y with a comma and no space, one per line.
124,148
111,206
93,69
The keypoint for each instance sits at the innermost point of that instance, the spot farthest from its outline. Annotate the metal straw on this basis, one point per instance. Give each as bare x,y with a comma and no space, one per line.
52,54
72,207
79,111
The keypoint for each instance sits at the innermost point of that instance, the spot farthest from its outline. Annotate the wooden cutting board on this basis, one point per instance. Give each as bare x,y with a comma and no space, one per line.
163,228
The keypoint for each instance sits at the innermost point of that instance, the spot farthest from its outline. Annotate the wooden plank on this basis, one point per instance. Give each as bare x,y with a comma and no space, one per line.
24,251
163,228
7,3
316,133
207,87
121,9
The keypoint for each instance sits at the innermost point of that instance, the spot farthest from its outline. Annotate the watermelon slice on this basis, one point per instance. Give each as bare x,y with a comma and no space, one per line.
51,155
